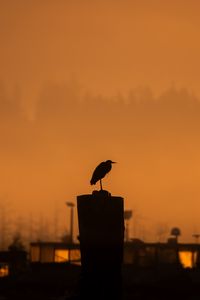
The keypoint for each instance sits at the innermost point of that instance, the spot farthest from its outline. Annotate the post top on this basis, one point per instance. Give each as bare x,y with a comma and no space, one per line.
102,194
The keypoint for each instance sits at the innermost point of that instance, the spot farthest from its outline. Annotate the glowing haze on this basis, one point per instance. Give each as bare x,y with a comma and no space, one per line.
86,81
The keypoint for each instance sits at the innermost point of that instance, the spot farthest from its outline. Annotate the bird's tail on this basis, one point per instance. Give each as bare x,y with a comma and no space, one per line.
92,182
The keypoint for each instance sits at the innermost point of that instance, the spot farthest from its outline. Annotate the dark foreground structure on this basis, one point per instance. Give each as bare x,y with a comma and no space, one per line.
109,268
101,229
149,271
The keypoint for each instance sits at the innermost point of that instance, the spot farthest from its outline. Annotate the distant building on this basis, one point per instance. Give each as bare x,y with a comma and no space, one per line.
54,252
136,253
12,262
143,254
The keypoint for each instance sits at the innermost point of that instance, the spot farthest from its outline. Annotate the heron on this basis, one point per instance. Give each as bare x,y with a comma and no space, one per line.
101,170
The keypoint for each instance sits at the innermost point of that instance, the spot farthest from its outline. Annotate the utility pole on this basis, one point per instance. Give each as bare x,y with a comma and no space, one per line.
127,217
71,206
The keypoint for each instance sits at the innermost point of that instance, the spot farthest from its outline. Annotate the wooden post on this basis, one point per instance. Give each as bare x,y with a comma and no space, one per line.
101,229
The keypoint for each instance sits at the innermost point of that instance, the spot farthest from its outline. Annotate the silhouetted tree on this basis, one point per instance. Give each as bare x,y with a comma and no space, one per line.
161,231
17,244
65,238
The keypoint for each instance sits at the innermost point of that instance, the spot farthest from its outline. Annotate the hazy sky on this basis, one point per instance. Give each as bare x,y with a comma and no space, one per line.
55,54
107,45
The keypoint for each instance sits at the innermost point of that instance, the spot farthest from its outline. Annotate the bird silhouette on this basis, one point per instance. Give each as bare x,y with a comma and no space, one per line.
101,170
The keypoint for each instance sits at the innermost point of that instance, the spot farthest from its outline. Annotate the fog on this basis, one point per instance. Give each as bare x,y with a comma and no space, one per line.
49,160
85,82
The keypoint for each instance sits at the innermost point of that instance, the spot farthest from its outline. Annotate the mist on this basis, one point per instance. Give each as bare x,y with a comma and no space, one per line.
49,160
85,82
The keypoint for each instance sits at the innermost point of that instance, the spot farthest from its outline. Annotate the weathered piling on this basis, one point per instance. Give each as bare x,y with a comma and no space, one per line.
101,230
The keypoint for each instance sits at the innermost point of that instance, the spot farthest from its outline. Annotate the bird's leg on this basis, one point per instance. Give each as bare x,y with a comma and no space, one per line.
101,185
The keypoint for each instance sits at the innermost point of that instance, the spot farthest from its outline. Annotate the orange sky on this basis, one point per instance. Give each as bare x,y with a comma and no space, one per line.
54,53
107,45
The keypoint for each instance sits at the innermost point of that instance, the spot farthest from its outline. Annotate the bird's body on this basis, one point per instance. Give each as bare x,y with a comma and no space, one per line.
101,170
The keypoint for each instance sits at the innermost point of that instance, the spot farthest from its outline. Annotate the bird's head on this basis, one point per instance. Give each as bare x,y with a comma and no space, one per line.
111,162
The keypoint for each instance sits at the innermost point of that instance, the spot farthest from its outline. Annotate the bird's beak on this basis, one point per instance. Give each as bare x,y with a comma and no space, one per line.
114,162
